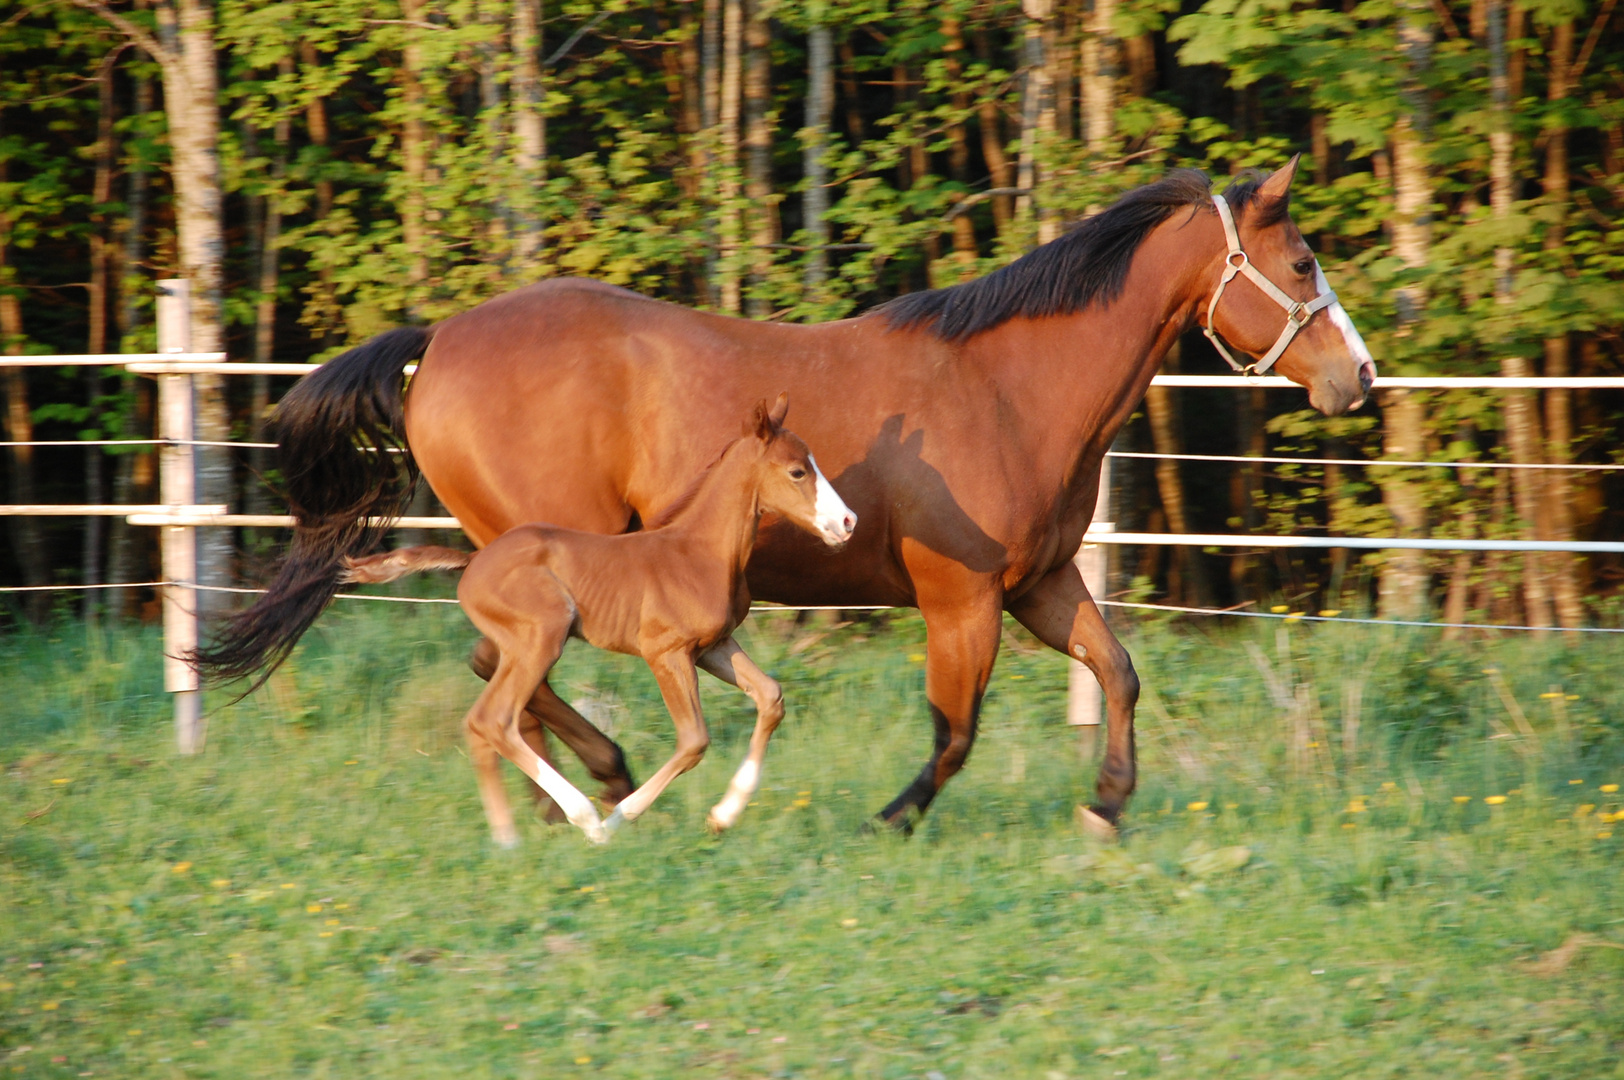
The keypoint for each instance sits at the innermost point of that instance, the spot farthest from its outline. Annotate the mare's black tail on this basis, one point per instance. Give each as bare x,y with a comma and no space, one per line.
347,473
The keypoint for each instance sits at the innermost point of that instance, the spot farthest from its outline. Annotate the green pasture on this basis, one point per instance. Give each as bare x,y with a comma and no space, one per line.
1313,879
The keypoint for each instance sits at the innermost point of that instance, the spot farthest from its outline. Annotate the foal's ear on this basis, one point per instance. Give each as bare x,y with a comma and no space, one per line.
1278,185
770,420
780,409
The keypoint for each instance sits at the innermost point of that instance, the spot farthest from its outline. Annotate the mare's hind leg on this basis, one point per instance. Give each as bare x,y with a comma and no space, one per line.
1061,614
728,662
961,643
679,685
601,755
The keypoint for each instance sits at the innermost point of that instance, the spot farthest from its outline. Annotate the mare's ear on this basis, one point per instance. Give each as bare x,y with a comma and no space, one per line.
780,409
1278,185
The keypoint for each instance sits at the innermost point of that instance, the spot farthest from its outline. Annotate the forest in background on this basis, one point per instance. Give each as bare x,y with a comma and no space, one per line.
324,171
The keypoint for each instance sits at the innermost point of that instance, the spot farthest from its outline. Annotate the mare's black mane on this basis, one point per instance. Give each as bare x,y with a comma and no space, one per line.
1087,264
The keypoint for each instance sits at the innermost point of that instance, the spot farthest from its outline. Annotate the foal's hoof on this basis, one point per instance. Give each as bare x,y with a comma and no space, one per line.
1096,825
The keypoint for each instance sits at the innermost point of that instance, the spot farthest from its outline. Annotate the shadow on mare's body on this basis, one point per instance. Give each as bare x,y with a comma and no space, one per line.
672,595
965,426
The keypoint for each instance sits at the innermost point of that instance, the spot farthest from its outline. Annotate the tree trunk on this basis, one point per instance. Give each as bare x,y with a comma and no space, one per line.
414,147
989,120
964,232
1098,78
759,120
101,257
259,460
1141,56
1037,112
1189,584
1523,436
134,473
26,542
730,226
1059,52
323,314
820,101
529,132
1561,566
1404,584
710,101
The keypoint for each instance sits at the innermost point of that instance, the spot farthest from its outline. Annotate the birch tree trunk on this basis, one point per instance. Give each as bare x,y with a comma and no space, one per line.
529,132
820,102
1562,567
759,121
270,254
1523,435
1404,584
1098,77
1037,113
730,225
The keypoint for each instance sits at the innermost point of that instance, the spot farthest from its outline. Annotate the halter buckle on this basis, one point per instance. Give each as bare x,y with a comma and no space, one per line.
1299,314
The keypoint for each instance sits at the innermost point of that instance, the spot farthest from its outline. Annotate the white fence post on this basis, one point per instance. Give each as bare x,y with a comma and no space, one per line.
178,543
1084,699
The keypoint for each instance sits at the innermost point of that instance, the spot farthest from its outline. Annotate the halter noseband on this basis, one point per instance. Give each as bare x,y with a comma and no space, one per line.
1298,312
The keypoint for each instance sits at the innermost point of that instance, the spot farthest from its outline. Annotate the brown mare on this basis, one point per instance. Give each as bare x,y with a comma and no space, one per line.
672,595
964,425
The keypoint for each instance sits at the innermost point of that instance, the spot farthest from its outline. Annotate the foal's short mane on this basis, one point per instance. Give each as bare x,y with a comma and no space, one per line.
1087,264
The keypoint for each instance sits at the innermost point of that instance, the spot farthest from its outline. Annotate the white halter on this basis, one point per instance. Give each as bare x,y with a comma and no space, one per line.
1298,312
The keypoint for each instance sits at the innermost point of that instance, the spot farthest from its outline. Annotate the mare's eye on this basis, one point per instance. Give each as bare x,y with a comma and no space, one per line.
1304,267
797,473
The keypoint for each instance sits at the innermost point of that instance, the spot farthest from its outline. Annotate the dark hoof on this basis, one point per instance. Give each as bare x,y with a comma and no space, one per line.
900,825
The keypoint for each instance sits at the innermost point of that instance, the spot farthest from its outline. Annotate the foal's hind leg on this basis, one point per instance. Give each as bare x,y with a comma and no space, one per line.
601,755
729,663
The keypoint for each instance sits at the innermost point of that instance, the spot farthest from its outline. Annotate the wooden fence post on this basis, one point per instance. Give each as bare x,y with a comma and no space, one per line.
178,543
1084,699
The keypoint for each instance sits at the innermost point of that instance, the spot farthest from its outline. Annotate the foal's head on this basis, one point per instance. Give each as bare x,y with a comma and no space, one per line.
789,482
1326,354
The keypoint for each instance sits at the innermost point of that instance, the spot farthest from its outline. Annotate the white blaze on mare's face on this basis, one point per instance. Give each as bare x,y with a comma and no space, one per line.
1340,320
831,513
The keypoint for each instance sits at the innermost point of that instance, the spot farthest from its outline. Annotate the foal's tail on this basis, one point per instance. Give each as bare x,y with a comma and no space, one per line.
347,475
392,565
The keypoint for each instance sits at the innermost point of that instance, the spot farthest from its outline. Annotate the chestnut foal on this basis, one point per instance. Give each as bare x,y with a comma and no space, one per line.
672,595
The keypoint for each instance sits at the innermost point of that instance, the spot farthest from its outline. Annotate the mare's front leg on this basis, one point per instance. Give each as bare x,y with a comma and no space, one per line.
963,620
1061,614
729,663
679,685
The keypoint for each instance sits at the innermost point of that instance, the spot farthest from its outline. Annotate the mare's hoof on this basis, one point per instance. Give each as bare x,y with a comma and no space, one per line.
1096,825
901,825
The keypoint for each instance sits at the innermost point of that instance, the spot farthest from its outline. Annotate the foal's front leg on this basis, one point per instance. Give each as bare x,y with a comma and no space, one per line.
679,685
729,663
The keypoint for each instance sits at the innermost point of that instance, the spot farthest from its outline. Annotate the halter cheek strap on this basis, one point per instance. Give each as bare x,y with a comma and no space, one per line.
1298,312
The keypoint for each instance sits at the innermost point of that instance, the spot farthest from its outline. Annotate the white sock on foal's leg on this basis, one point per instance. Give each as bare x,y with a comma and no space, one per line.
725,813
576,806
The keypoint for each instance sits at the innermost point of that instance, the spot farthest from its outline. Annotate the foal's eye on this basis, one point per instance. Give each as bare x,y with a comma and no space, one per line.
1304,267
797,473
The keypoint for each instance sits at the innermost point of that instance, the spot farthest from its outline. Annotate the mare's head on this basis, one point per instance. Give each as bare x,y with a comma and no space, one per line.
1326,354
789,482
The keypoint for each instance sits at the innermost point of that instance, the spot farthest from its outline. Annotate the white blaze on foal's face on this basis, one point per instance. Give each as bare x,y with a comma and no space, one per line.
831,515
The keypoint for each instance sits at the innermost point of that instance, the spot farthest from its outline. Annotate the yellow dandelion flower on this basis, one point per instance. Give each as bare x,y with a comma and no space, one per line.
340,907
1584,809
801,804
1280,609
848,923
1356,805
221,883
589,888
1575,781
1017,677
120,963
312,908
180,868
1462,800
325,933
50,1006
1604,834
1196,807
332,922
803,793
583,1060
63,780
289,885
1330,613
1494,800
1491,671
352,761
916,658
1573,697
1609,788
1350,824
135,1031
1388,785
1554,695
1295,615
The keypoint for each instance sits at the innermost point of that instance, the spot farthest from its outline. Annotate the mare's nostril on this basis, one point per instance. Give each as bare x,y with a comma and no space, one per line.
1367,376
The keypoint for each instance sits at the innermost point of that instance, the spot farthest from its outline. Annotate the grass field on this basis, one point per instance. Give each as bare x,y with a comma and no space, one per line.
1312,882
